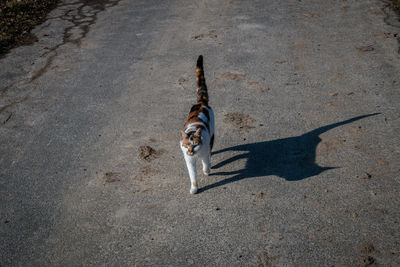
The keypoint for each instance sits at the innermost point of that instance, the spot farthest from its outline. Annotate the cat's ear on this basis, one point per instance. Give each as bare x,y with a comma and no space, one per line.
198,132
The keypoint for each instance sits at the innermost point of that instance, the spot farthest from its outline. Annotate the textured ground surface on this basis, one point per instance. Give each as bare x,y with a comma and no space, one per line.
306,164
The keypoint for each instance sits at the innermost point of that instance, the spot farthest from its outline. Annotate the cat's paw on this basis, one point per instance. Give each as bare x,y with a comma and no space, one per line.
206,171
193,190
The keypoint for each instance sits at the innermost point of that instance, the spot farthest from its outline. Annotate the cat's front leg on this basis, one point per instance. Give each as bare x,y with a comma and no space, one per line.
191,166
206,161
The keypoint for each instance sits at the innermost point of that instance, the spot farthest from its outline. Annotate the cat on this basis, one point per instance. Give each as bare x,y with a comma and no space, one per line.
197,136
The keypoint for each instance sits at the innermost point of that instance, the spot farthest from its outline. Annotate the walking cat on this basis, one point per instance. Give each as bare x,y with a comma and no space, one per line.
197,136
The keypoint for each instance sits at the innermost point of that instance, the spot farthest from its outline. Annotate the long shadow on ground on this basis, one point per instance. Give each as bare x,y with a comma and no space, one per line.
291,158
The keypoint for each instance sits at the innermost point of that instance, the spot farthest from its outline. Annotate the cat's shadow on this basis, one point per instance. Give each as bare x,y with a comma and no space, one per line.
292,158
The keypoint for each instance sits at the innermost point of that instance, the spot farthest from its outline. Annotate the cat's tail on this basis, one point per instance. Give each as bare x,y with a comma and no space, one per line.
202,95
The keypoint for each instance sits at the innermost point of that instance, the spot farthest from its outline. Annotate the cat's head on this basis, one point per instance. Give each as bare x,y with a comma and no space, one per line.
191,142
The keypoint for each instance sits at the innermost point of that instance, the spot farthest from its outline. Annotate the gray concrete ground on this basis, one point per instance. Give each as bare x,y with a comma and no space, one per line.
306,159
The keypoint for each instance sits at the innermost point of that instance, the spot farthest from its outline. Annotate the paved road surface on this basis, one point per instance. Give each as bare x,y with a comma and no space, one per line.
306,163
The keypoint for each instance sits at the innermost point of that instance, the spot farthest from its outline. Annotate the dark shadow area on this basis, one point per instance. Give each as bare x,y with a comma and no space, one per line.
291,158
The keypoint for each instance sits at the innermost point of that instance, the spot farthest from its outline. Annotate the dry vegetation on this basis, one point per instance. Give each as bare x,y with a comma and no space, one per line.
396,6
18,17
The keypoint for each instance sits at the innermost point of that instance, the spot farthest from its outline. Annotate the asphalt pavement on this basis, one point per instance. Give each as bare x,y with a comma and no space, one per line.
306,157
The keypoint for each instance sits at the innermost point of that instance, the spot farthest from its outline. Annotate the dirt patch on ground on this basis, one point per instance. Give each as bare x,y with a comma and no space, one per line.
234,76
153,140
365,257
311,15
210,35
365,48
367,261
259,86
365,175
111,177
253,83
145,171
367,248
105,179
265,260
148,153
386,34
396,6
265,89
260,195
181,80
240,121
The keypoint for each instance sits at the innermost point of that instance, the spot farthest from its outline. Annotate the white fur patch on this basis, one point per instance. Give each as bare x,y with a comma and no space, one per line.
192,126
197,148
